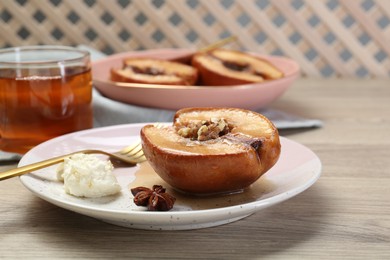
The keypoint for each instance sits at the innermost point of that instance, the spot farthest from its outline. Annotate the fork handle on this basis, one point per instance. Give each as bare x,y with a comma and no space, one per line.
32,167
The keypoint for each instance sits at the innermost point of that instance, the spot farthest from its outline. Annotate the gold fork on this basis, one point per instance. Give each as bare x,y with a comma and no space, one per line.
131,155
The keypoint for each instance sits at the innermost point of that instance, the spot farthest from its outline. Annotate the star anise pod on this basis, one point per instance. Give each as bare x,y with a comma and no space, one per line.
156,199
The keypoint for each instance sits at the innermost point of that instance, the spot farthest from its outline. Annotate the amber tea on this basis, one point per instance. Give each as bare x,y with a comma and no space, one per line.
44,98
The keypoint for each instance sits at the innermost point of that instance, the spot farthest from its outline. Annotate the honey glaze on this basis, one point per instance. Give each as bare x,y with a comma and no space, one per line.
147,177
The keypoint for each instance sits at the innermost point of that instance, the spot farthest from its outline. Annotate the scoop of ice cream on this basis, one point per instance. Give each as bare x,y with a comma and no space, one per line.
85,175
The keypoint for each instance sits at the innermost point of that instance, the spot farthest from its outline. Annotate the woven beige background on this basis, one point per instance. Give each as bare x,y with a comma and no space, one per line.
329,38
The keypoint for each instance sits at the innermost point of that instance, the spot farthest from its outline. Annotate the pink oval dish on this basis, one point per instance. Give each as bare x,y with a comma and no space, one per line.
248,96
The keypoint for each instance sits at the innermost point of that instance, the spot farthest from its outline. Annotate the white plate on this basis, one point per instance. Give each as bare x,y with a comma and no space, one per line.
297,169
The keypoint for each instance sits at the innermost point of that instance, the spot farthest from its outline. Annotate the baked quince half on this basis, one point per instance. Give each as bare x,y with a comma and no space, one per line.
222,67
212,150
154,71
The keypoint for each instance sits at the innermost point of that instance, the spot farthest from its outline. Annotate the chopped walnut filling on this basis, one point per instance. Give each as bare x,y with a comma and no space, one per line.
204,130
147,70
236,66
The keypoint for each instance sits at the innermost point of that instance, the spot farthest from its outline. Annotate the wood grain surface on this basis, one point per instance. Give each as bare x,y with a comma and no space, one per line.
345,214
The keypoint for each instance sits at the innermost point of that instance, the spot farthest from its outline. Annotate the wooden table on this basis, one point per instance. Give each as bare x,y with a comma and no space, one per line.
345,214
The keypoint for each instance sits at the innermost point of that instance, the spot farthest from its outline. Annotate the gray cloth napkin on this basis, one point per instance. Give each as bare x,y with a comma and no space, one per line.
110,112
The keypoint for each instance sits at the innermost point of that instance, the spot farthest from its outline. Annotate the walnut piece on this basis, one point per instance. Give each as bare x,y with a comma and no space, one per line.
204,130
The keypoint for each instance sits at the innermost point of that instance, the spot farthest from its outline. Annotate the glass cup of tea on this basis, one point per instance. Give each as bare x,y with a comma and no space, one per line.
45,91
